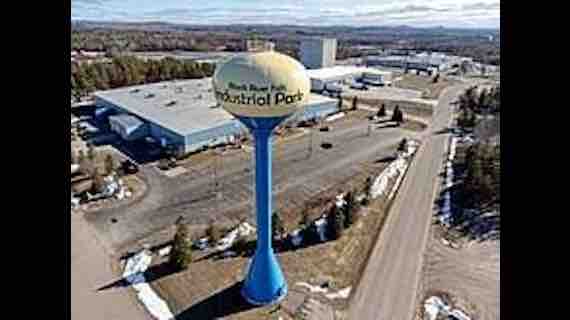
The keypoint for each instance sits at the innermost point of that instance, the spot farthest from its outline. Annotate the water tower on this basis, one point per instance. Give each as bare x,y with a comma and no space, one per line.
261,90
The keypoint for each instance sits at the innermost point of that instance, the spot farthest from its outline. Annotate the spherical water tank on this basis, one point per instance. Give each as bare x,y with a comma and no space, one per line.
265,84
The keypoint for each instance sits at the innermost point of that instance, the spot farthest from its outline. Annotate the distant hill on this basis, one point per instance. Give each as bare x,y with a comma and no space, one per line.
165,26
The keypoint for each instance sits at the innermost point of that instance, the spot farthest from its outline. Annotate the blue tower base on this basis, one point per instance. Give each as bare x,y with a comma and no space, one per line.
265,283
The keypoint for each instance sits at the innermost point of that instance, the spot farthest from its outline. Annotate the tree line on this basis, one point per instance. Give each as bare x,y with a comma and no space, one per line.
128,70
482,182
473,103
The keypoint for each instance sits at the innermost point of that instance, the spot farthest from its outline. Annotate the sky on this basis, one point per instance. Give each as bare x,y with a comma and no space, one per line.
432,13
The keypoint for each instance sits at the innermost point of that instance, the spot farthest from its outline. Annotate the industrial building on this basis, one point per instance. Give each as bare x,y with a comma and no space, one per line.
258,45
181,115
318,53
344,74
428,62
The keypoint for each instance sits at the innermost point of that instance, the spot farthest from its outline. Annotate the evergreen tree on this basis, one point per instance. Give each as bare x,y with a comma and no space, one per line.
213,232
277,227
350,209
91,153
397,115
338,224
354,103
181,253
367,189
305,218
381,111
402,145
109,164
98,182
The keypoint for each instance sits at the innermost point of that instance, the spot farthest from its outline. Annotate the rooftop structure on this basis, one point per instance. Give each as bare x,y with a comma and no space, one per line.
183,113
181,106
341,72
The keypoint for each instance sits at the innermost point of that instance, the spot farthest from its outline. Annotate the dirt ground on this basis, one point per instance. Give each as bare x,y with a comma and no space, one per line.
469,275
424,84
210,288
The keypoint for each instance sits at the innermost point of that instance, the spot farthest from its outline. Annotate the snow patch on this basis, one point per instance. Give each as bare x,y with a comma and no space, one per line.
321,225
134,274
341,294
434,305
312,289
335,117
395,170
242,230
296,237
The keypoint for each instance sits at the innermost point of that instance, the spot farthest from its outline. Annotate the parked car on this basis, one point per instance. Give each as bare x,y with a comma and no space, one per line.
325,128
326,145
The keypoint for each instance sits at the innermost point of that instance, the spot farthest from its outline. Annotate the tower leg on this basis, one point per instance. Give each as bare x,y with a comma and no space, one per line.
265,283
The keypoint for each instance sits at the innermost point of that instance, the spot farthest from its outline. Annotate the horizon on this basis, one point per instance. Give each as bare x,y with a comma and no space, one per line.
465,14
174,24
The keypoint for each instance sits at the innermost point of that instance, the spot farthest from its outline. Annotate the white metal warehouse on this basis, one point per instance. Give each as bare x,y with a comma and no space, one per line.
338,74
181,114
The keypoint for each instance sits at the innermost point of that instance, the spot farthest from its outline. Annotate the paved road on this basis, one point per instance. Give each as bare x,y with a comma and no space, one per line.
388,287
296,178
91,269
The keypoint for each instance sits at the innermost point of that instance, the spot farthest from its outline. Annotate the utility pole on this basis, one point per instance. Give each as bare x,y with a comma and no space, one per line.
310,142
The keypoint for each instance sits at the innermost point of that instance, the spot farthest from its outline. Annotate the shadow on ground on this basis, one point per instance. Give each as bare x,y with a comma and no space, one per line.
153,273
481,224
247,249
445,130
228,301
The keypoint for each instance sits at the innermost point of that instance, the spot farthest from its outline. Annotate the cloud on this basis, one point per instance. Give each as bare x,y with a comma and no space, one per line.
310,12
483,6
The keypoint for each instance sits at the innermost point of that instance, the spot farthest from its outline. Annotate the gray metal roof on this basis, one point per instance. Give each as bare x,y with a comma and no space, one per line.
183,106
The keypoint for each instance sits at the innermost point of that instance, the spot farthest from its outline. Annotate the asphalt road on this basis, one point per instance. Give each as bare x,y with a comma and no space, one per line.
90,270
388,287
296,178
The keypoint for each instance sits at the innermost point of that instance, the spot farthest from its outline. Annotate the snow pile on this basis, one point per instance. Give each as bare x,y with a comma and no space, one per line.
321,225
134,274
342,294
340,202
242,230
434,305
312,289
296,237
164,251
445,216
74,202
395,169
380,184
335,117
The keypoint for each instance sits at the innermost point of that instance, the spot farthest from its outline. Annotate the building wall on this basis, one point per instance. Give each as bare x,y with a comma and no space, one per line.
318,53
314,111
129,133
213,136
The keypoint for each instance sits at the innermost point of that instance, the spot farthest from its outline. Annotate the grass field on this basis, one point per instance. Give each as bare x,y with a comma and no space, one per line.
425,84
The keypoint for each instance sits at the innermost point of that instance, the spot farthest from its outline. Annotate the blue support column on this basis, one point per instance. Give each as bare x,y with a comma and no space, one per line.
265,283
